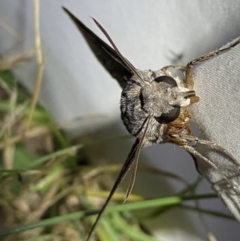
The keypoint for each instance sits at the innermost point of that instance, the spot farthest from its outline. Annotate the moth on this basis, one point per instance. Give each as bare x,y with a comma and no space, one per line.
155,109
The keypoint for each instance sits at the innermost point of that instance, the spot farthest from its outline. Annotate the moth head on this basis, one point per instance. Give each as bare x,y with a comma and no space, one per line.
175,111
164,98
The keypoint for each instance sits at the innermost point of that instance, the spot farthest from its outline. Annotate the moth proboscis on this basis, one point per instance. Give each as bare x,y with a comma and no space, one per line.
154,107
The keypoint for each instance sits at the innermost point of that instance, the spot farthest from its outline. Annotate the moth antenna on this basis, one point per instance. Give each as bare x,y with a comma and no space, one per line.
135,163
132,157
129,65
133,176
191,150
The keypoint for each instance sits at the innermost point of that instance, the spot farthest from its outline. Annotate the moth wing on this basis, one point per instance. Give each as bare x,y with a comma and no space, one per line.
217,115
103,52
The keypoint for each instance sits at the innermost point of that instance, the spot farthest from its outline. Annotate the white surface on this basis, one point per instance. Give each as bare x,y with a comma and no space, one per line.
147,33
217,82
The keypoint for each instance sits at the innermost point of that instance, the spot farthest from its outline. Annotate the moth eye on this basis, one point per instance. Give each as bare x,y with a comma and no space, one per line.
170,116
166,79
174,113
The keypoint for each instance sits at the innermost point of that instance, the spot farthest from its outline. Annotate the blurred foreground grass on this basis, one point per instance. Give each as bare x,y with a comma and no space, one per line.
46,184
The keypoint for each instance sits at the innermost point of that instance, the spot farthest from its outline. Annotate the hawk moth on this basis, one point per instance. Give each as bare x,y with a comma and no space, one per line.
155,109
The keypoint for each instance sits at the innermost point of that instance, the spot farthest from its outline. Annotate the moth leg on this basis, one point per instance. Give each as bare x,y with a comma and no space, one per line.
221,186
194,152
190,65
212,146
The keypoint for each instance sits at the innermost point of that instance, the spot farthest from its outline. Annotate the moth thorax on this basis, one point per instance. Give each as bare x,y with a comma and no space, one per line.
157,97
